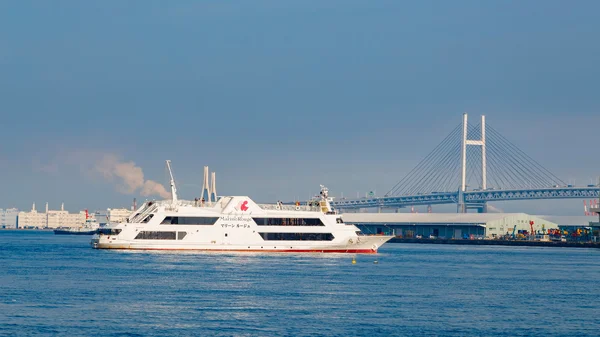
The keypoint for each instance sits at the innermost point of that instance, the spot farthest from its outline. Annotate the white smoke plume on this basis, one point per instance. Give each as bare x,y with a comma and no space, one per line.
494,209
128,177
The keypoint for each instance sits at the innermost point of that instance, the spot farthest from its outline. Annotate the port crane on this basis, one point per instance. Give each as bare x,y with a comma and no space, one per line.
531,226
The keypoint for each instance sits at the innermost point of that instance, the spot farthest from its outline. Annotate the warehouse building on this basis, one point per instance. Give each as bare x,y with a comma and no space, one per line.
8,218
447,225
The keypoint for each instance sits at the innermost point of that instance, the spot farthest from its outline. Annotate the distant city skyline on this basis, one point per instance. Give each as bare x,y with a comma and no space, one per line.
278,97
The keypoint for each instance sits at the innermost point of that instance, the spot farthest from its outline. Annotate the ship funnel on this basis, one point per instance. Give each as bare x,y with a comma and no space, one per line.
213,187
205,186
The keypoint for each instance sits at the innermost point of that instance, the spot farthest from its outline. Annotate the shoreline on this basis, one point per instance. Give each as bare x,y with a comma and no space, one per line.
28,229
485,242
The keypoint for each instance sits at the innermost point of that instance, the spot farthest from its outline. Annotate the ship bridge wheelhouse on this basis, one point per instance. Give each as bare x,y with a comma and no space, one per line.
190,220
288,221
109,231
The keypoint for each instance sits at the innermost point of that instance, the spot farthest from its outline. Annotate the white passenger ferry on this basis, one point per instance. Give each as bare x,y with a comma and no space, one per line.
236,223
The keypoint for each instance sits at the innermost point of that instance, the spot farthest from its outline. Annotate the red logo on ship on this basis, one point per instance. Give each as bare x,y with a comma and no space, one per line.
243,205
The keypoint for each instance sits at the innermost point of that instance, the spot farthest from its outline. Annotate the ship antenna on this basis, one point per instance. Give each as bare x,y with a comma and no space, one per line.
173,188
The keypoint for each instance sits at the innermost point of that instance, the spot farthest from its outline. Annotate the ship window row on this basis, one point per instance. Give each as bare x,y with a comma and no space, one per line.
288,221
151,235
109,231
297,236
189,220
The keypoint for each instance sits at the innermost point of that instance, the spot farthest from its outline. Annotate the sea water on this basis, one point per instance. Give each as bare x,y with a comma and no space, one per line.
59,286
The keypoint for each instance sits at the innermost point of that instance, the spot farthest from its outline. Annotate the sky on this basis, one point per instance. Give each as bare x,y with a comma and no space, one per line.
278,97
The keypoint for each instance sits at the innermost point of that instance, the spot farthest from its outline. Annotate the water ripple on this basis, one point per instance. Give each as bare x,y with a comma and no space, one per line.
59,286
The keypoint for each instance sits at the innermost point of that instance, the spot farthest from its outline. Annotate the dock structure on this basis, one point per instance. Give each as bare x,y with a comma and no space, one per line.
453,226
446,225
572,244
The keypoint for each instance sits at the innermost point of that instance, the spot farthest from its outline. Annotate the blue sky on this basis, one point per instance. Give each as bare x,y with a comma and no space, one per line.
278,97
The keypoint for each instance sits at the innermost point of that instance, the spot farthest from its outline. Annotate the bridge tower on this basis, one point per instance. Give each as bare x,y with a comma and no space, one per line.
462,205
453,173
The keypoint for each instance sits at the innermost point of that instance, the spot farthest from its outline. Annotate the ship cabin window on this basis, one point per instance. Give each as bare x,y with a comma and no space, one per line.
288,221
109,231
147,218
181,235
297,236
189,220
151,235
339,220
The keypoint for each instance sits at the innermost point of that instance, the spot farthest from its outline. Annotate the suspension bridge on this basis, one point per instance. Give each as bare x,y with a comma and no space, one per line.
472,166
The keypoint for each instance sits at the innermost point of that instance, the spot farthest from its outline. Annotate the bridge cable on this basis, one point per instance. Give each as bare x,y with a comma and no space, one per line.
401,185
526,176
413,184
542,169
417,186
425,161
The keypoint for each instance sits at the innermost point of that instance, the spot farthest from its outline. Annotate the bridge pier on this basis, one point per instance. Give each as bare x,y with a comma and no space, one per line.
464,207
461,207
483,209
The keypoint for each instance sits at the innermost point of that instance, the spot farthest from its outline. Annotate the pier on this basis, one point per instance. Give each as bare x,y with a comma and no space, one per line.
486,242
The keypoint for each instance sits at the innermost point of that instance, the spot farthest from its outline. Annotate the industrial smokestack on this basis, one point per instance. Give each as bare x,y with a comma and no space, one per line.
46,207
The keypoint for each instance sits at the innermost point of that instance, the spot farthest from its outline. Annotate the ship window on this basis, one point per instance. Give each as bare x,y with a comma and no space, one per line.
109,231
339,220
181,235
297,236
148,235
288,222
189,220
147,218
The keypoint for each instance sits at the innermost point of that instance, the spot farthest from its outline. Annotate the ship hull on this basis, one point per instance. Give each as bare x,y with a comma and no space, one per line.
366,245
67,232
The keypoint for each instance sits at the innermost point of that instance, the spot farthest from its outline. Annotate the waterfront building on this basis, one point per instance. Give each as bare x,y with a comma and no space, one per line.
50,218
8,218
117,214
32,219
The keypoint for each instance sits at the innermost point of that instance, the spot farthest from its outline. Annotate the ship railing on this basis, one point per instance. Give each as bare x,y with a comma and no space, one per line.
305,208
148,209
275,207
192,203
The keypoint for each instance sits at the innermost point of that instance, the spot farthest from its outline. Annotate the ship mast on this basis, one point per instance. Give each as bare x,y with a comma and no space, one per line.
173,188
325,200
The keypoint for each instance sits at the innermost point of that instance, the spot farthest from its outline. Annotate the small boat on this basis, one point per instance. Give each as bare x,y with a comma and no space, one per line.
90,227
